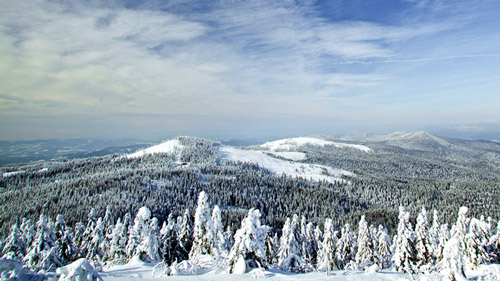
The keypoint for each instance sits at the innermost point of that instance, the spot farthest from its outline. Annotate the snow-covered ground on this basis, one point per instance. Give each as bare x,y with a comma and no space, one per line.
290,155
143,271
169,147
277,166
294,143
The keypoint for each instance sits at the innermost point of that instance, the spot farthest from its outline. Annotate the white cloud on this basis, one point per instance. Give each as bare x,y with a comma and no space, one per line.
229,59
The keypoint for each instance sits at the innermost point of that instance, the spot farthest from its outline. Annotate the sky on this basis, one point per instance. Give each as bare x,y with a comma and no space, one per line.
231,68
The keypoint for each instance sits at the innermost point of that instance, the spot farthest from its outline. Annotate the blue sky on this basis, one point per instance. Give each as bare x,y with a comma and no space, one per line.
152,69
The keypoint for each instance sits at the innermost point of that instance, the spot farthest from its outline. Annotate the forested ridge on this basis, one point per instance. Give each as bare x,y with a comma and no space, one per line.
167,183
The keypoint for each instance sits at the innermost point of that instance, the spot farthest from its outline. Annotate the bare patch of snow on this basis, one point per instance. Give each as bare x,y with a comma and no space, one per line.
168,147
10,174
312,172
290,155
294,143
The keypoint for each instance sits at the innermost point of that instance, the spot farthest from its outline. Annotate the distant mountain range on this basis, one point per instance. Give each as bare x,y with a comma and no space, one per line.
25,151
424,141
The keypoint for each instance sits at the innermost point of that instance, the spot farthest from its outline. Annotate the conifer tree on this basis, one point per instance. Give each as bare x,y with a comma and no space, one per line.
444,236
186,231
149,248
327,259
86,238
221,242
249,243
44,251
452,262
345,249
118,244
204,237
172,248
434,234
423,247
364,256
383,250
475,252
310,246
95,253
14,247
67,250
290,251
28,233
404,252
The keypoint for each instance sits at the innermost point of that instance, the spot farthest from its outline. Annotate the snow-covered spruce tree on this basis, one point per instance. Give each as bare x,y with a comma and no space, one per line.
44,250
475,251
133,242
67,250
346,248
271,247
383,250
79,230
249,243
424,258
290,251
364,256
28,233
14,247
149,248
327,259
452,262
204,237
186,231
117,251
221,241
404,244
139,233
461,227
95,253
434,234
86,239
172,248
109,221
444,236
494,246
310,246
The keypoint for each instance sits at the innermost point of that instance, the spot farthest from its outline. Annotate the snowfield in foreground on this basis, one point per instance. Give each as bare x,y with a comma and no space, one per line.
312,172
294,143
138,271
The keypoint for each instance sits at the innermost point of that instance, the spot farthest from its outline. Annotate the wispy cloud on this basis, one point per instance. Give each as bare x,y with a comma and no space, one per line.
224,58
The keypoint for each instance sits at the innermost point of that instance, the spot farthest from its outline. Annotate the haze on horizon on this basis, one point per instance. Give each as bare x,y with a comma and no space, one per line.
151,68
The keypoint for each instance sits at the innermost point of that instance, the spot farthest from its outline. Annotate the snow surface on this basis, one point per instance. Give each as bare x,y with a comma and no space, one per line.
144,272
312,172
79,270
294,143
290,155
10,174
169,147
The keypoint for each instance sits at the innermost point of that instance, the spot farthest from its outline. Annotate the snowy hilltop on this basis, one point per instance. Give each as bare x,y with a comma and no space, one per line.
107,249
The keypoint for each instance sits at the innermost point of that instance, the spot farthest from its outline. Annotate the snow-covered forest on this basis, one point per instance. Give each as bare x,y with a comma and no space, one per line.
198,239
188,206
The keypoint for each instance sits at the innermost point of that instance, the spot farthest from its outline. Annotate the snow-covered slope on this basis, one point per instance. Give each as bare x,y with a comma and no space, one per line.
312,172
169,147
294,143
289,155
